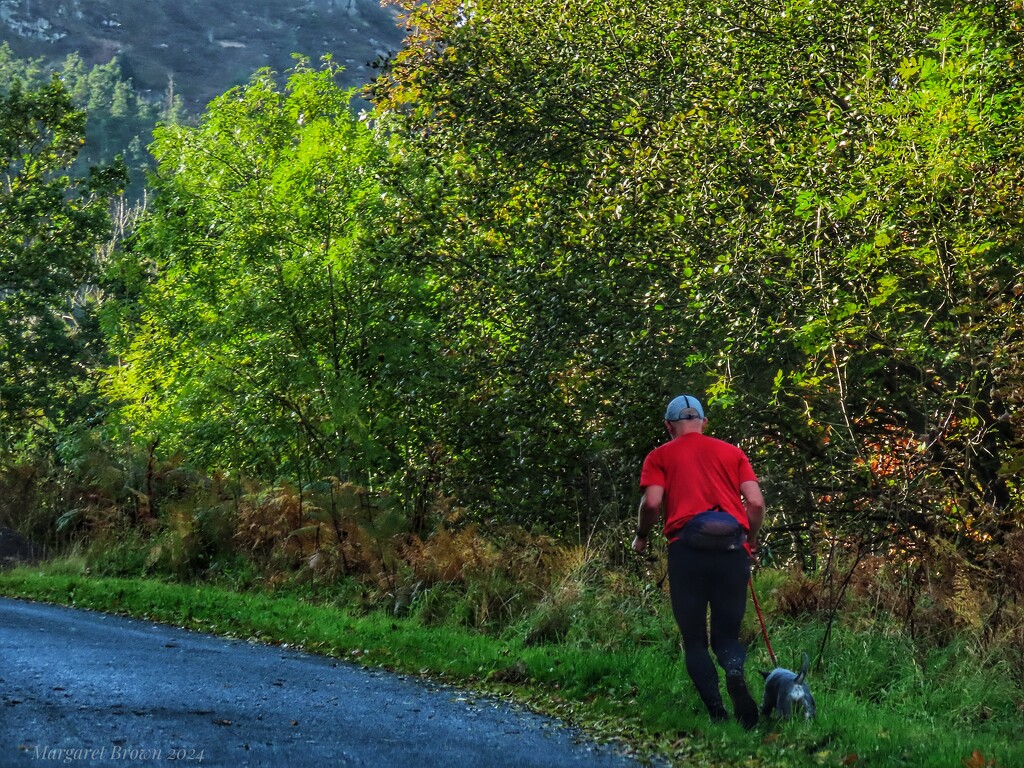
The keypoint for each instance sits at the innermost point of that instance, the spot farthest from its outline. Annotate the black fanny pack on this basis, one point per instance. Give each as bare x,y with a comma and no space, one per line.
713,531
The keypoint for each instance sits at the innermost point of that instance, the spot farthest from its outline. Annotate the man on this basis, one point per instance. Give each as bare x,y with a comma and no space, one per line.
713,509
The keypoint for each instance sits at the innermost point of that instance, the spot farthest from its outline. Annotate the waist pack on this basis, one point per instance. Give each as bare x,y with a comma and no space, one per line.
713,531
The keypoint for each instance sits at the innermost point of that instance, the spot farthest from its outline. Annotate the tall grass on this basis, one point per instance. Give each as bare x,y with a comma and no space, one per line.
905,672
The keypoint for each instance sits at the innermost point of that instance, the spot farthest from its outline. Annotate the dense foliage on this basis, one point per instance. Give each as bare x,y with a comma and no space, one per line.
809,211
559,216
278,333
51,226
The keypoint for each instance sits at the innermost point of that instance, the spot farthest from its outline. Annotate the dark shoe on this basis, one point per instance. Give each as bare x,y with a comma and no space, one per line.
742,702
719,714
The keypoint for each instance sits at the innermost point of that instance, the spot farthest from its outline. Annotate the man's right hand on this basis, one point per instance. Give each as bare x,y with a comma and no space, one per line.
639,544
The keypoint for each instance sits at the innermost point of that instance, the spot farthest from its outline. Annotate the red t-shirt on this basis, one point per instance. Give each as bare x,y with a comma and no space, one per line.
698,473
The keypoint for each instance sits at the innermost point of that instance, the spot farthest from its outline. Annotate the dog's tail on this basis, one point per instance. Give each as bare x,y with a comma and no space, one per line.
803,669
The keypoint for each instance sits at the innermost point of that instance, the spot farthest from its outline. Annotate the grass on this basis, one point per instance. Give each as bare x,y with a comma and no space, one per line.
880,702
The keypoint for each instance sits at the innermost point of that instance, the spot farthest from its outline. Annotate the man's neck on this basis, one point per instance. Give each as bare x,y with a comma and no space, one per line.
685,428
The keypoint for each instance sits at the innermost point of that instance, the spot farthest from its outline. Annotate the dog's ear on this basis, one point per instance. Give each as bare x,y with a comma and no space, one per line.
803,669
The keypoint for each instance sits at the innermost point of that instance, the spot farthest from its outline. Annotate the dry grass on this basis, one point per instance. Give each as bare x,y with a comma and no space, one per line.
132,515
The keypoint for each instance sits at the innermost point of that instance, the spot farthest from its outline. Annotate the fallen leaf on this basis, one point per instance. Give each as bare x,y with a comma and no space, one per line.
850,759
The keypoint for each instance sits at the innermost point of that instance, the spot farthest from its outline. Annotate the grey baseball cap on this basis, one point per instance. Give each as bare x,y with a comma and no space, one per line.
684,408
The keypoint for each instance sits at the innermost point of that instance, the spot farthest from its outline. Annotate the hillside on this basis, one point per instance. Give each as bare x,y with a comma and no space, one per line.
202,47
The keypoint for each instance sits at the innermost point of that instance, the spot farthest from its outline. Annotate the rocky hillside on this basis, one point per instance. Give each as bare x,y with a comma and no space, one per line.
201,47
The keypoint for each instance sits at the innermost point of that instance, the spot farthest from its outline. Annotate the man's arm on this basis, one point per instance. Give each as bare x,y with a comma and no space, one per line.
648,515
753,502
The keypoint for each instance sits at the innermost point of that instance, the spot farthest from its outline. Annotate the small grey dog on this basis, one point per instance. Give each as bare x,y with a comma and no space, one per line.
783,689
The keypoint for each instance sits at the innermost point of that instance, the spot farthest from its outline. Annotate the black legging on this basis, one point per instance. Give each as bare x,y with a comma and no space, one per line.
697,580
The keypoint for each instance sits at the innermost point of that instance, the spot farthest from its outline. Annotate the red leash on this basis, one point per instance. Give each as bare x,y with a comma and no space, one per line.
764,629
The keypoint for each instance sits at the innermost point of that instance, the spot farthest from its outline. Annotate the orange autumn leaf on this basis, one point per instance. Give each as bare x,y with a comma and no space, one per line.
977,760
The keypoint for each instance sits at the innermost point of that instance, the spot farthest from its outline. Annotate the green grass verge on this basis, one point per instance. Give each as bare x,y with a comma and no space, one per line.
878,705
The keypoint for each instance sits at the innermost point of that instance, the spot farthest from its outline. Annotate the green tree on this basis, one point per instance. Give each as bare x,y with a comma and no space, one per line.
50,227
806,209
525,127
277,332
877,232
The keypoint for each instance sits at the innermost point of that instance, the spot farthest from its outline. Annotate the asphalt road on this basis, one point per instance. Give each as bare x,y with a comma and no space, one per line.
85,688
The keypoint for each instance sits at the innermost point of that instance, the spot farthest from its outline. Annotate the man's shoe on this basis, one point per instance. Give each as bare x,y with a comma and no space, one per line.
719,714
743,703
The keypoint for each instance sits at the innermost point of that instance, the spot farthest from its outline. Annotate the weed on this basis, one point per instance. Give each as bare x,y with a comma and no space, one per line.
118,553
